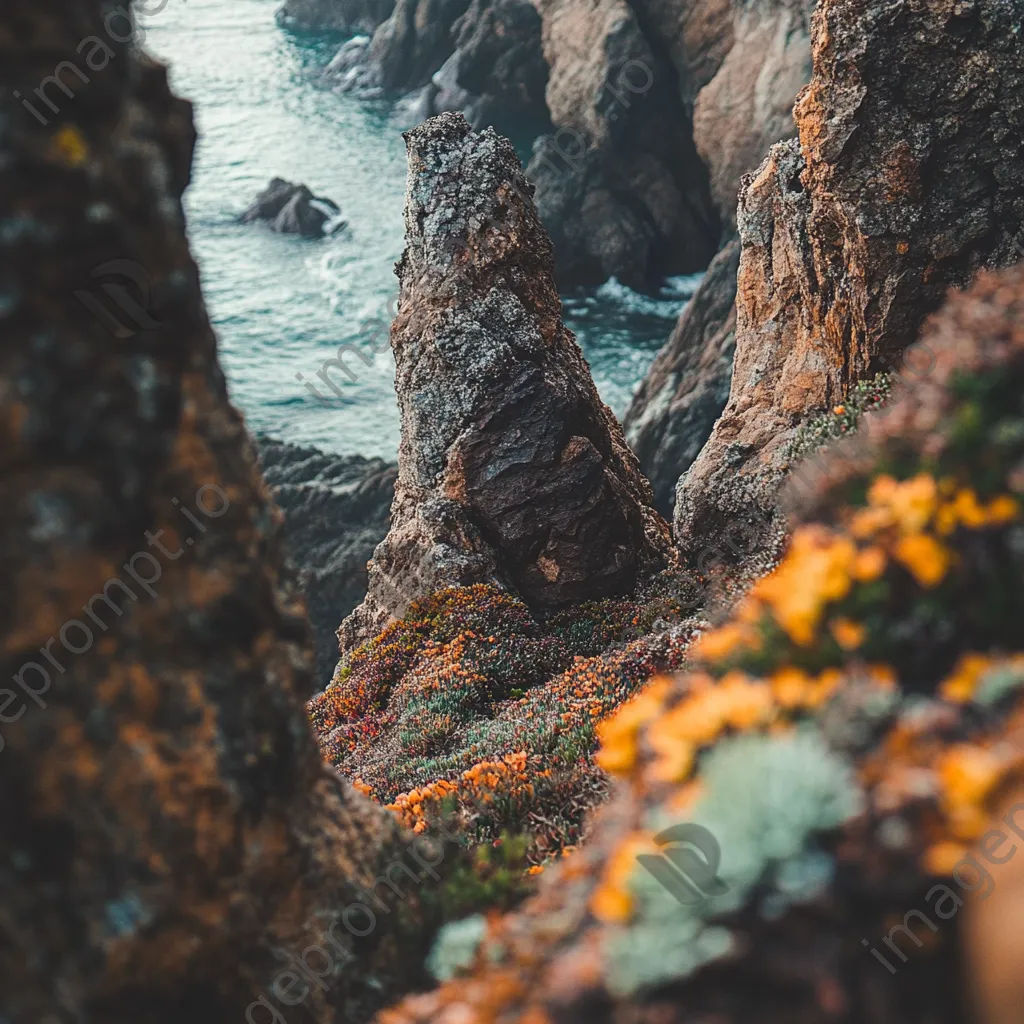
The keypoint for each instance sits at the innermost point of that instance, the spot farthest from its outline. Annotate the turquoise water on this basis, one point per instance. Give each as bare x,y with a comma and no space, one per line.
282,305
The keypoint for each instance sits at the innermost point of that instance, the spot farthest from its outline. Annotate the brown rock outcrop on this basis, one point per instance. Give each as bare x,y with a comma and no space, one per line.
687,386
740,67
905,181
169,827
511,469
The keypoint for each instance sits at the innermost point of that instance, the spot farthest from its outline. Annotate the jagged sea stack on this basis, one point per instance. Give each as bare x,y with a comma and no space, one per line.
511,469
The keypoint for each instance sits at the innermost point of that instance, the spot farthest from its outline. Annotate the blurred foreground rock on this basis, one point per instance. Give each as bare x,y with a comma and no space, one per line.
169,827
846,751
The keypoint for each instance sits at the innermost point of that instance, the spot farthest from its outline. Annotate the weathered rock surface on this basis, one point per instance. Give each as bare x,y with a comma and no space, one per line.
294,210
687,386
620,186
334,15
169,828
336,511
740,67
511,470
907,178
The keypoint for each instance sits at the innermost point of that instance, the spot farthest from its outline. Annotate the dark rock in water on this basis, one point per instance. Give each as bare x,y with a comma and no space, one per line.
294,210
336,511
511,470
687,386
905,181
619,184
334,15
485,61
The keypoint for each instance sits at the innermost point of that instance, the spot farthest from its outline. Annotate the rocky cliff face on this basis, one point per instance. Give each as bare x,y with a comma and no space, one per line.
658,107
336,511
906,179
511,470
740,67
169,827
686,389
619,184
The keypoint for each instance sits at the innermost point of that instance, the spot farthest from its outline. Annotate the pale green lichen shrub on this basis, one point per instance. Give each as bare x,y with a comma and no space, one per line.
764,800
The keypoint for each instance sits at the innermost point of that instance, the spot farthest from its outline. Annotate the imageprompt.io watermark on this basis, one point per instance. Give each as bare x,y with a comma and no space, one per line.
687,868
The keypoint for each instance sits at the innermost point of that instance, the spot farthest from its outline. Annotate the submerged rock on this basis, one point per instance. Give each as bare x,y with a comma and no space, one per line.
336,511
687,386
906,180
294,210
511,470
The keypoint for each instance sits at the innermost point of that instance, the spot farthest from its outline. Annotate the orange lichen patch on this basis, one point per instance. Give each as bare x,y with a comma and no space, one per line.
942,858
69,146
869,564
510,780
698,720
968,774
960,687
718,645
968,511
849,634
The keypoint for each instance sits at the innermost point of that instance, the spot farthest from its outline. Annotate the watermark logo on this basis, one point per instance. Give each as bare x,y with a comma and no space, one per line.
132,314
688,866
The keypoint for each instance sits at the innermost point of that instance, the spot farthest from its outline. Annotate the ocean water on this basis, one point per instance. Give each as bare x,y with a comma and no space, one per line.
282,305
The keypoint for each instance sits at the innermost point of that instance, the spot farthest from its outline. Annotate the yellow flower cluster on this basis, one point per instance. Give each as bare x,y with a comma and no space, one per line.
967,775
618,733
823,564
